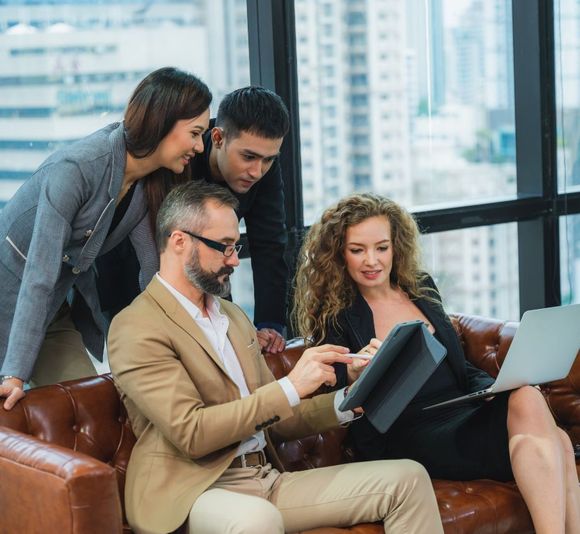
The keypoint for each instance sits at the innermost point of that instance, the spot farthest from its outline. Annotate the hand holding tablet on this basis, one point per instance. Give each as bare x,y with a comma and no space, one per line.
390,380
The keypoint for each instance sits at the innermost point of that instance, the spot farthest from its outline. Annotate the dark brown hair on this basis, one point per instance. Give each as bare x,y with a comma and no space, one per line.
163,97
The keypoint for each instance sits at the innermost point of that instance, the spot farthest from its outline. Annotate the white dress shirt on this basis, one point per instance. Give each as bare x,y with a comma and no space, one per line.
215,328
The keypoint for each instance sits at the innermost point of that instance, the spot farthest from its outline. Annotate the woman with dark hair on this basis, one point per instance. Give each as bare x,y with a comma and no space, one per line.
80,203
359,275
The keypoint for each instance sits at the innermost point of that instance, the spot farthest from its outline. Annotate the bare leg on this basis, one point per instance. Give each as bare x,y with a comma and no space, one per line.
572,488
537,459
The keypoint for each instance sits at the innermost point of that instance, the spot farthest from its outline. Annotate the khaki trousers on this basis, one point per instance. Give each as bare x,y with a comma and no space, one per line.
62,355
261,500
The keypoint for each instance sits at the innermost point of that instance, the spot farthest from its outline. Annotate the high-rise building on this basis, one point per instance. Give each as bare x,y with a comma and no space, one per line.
353,100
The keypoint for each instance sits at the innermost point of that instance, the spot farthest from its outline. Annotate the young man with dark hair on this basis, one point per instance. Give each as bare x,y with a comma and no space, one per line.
241,152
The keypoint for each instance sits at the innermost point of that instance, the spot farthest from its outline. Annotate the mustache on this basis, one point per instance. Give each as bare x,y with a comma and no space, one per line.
225,270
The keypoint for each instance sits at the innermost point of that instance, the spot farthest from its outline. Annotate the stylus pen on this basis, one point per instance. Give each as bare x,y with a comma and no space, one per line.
361,356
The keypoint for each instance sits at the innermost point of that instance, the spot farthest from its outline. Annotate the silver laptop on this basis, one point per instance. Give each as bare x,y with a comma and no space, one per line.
543,349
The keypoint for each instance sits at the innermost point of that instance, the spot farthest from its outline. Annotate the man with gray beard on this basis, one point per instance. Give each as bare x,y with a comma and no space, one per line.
205,407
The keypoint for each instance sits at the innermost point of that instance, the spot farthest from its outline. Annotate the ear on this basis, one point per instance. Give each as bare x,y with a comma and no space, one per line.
217,136
177,241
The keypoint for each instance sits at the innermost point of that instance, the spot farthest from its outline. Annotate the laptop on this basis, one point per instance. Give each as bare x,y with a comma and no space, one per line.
543,349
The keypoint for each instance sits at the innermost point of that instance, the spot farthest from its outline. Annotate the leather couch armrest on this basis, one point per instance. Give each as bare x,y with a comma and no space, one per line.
50,489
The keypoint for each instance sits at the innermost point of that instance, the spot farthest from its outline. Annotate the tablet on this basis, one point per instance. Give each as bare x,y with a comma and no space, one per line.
400,367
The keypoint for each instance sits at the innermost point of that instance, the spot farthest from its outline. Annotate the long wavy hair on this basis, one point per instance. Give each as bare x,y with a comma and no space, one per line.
323,287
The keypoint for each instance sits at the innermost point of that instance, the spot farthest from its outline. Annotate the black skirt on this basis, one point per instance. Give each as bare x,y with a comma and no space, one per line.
467,441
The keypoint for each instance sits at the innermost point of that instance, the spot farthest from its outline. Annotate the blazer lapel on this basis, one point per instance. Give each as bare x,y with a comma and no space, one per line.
447,335
136,210
95,242
359,318
177,313
242,347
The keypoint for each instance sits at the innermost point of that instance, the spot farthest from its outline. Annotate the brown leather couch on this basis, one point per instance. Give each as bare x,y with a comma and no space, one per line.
64,451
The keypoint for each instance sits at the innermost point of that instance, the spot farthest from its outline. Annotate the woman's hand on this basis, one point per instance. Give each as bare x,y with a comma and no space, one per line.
13,390
358,365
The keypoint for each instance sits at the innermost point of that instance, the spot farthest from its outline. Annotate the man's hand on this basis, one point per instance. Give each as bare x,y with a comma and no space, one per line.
13,390
358,364
270,340
314,368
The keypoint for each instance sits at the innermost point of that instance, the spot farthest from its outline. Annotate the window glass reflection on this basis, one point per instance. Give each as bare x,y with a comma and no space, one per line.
418,96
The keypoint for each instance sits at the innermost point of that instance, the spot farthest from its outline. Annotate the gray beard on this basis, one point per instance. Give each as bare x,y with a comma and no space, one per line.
208,281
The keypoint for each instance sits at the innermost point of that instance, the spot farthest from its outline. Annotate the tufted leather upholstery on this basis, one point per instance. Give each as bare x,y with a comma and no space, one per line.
64,451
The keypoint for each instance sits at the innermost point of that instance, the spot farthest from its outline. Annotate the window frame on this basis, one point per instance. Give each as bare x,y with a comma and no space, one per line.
537,206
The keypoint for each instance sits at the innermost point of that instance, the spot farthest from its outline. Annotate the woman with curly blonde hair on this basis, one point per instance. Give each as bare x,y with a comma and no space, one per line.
359,275
323,286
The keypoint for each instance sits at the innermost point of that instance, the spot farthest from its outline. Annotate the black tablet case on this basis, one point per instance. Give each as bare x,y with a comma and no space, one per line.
402,364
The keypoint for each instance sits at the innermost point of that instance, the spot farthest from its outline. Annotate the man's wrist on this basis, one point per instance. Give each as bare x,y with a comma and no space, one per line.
5,378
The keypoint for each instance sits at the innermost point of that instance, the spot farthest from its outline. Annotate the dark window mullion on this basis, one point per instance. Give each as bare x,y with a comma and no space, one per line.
272,49
535,116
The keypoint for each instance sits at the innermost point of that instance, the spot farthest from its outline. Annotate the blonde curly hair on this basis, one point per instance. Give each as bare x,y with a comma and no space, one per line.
323,287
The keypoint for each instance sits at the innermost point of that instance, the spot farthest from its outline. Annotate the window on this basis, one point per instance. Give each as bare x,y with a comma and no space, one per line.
66,72
456,258
570,258
443,138
243,287
451,87
567,64
69,70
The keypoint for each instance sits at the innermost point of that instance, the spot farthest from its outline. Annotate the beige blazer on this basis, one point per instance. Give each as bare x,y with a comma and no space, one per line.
186,411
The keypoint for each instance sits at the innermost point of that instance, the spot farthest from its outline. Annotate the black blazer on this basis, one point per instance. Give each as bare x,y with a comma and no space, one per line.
356,328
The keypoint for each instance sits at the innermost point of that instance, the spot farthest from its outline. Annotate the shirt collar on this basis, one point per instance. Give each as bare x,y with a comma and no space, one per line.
212,304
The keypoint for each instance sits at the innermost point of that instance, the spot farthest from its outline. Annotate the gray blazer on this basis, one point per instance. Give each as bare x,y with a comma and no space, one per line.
51,231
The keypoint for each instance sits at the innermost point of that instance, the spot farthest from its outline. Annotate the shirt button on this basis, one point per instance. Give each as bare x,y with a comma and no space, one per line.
65,258
76,270
88,233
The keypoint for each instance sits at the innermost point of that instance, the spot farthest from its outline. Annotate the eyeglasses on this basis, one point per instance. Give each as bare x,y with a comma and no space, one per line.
226,250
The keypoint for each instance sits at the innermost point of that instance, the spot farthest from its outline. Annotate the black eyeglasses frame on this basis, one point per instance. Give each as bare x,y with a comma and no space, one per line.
226,250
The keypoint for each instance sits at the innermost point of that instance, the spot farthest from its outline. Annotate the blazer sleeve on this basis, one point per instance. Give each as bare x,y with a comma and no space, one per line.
266,229
62,193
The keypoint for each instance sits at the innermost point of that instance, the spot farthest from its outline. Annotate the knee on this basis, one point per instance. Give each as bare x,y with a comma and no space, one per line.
527,402
413,475
416,471
262,519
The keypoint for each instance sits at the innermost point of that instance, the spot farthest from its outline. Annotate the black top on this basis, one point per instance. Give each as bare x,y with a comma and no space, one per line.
121,209
262,209
118,269
356,328
415,429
